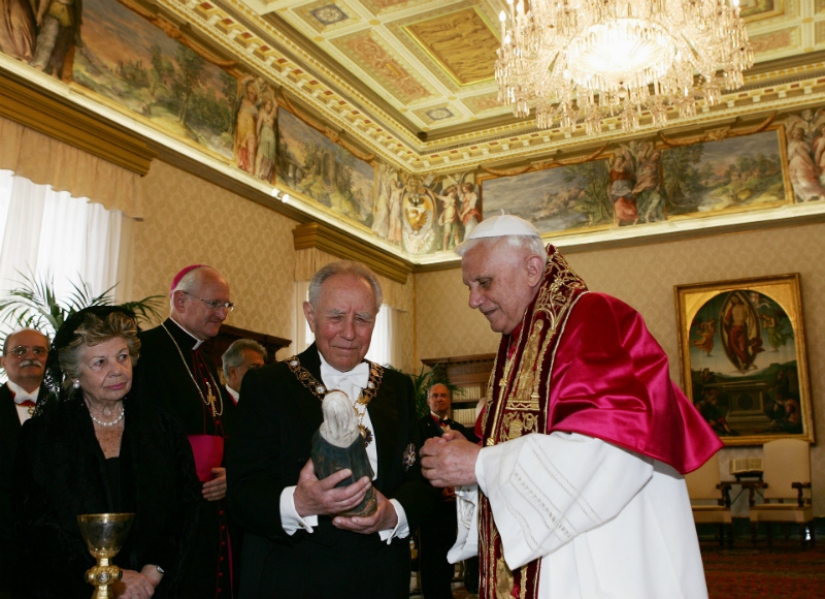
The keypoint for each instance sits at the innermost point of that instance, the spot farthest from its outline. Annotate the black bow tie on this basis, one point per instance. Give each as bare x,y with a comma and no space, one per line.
444,421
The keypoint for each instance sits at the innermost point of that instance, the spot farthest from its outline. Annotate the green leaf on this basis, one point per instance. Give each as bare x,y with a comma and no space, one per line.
34,303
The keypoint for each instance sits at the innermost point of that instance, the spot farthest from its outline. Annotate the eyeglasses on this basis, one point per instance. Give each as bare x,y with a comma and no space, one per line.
22,350
213,304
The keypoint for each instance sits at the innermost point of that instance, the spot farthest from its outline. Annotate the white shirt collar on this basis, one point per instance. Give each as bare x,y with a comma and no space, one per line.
20,394
235,395
198,342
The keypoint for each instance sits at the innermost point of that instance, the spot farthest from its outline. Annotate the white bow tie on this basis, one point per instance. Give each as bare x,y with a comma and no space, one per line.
24,395
358,376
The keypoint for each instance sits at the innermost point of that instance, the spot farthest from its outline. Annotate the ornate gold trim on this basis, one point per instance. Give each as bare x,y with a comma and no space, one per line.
23,103
338,243
319,389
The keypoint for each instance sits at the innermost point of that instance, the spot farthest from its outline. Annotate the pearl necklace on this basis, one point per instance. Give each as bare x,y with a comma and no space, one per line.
113,422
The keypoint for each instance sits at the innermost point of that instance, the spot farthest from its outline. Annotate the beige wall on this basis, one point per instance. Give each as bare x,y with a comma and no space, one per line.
188,220
644,277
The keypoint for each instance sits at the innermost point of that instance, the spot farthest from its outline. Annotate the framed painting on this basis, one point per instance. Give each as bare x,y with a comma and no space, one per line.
743,357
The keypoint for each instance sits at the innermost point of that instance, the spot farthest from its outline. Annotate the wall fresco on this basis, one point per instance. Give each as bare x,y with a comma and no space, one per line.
311,164
133,63
642,182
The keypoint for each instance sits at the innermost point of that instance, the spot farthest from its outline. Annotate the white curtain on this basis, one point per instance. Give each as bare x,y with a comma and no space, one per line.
44,233
381,344
381,347
303,336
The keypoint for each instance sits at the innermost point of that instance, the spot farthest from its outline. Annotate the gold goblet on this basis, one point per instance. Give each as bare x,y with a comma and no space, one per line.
104,535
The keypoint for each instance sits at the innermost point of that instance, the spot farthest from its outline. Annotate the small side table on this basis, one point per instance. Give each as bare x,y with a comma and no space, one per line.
752,481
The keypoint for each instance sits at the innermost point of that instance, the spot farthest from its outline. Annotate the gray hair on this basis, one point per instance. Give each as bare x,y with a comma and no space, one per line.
531,243
189,283
93,331
17,332
233,356
344,267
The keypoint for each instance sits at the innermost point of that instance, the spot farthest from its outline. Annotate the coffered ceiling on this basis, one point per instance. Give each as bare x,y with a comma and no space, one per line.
412,80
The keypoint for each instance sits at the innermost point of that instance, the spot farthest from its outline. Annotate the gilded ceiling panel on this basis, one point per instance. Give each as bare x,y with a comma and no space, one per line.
775,41
461,43
376,6
482,103
376,57
435,114
325,16
752,10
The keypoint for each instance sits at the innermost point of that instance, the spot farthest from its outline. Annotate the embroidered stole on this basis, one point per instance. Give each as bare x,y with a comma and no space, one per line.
517,404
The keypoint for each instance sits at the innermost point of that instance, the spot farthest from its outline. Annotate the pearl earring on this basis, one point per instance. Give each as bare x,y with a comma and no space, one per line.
76,384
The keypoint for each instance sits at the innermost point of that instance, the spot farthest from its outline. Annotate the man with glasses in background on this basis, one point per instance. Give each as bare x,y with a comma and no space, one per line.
24,360
175,375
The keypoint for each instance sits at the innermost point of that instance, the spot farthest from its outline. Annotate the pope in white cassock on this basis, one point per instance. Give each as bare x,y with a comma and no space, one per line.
576,490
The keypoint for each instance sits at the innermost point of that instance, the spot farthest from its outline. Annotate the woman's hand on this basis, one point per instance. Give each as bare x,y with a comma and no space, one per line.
137,585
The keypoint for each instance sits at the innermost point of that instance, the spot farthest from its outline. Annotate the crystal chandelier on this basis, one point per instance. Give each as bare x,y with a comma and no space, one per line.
582,60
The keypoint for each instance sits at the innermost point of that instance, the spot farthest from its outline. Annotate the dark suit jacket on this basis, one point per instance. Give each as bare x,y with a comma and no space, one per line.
277,417
60,472
9,433
429,429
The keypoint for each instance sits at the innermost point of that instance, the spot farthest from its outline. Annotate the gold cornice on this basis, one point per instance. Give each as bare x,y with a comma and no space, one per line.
451,264
46,113
338,243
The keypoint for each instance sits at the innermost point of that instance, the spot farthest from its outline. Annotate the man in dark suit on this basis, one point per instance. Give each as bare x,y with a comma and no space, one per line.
297,543
438,531
174,375
24,360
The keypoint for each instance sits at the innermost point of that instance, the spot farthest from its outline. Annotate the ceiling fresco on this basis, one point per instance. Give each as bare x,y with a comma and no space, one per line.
412,82
406,90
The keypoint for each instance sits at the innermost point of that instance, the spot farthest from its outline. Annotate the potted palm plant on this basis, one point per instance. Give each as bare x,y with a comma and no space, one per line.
34,304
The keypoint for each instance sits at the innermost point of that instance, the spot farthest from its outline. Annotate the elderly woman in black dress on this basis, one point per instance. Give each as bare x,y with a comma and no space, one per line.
95,447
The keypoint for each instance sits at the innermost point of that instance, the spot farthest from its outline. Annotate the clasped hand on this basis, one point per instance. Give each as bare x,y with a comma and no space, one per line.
137,585
449,460
215,489
321,497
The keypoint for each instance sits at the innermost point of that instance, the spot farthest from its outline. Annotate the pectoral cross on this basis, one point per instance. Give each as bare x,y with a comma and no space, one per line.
210,399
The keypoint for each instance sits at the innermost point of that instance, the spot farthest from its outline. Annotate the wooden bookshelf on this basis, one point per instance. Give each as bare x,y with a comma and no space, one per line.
470,374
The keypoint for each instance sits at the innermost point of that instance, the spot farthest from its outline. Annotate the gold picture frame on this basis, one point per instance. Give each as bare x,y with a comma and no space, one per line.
743,358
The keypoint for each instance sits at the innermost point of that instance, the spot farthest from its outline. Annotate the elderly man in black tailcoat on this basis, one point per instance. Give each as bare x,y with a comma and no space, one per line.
297,542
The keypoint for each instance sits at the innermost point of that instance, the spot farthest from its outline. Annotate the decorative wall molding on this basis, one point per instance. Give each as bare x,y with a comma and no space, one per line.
338,243
23,103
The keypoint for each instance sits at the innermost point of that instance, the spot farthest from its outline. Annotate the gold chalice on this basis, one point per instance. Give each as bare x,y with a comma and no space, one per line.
104,535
